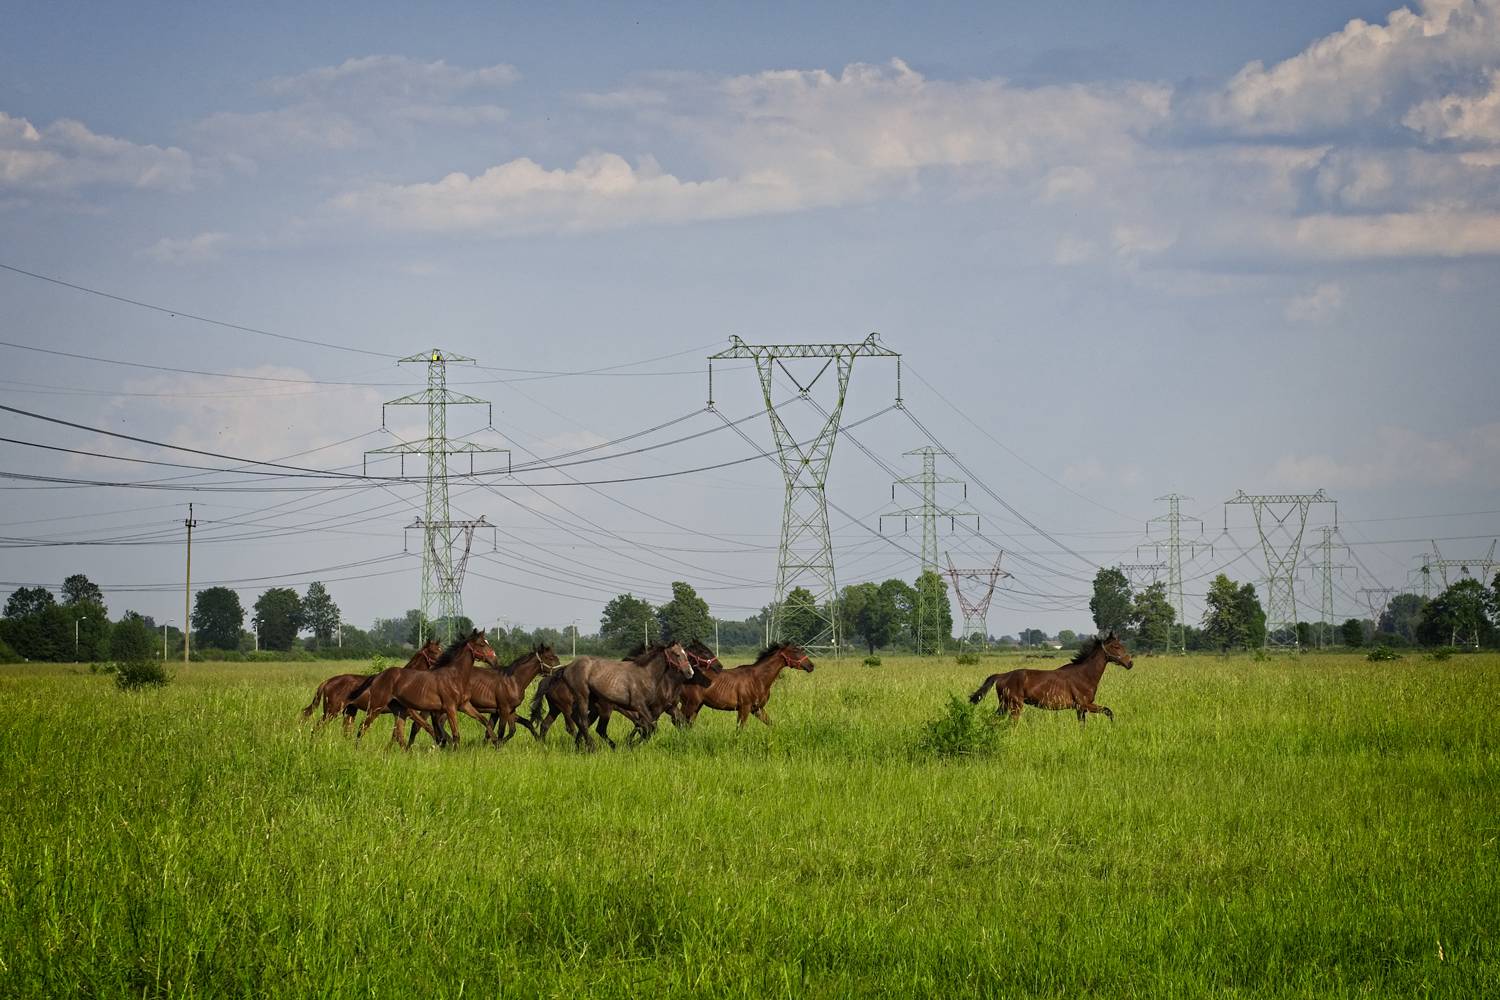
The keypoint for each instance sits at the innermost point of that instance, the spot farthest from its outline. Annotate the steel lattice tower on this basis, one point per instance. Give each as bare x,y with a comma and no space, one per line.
442,537
1141,575
1286,514
1326,566
1173,519
928,640
976,612
1377,599
1436,562
806,551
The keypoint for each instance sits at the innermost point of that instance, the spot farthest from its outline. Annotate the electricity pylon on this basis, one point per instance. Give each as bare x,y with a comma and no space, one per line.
928,626
1141,575
1442,565
442,570
975,611
806,550
1281,544
1173,519
1377,599
1326,567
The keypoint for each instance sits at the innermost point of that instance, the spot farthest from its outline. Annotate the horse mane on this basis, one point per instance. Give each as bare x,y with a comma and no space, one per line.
446,657
1087,650
774,647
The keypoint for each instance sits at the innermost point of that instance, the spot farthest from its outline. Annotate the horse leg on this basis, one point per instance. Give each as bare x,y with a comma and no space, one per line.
760,713
1091,707
744,713
417,720
479,717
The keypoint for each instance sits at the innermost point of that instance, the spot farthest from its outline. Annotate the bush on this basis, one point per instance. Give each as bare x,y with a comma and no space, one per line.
967,659
1382,654
141,673
961,731
8,655
379,663
1443,652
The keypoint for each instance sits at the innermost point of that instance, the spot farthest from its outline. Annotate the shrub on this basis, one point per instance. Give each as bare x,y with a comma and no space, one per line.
1443,652
8,655
967,659
961,731
1382,654
379,663
141,673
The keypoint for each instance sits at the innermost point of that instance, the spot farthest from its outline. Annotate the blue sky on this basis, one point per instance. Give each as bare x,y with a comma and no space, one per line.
1164,247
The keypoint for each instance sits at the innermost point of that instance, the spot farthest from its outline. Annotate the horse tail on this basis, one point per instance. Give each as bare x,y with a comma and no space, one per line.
541,692
989,682
318,696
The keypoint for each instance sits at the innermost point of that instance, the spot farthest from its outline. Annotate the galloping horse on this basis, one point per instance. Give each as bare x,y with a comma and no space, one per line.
346,693
640,690
745,689
500,692
445,688
1070,686
559,697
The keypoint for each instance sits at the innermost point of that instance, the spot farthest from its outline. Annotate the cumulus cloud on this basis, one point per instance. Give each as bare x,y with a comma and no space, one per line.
66,156
1472,118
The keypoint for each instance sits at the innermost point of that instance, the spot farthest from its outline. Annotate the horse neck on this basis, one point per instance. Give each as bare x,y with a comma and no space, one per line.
523,673
1093,667
766,671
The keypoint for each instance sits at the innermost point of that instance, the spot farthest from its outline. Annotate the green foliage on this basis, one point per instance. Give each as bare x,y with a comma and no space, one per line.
1402,616
1111,604
131,675
872,661
133,640
1151,618
319,614
1382,654
217,618
685,617
932,593
379,663
799,619
8,655
1233,616
1458,615
1441,654
626,622
278,612
1352,632
28,601
80,590
961,730
967,659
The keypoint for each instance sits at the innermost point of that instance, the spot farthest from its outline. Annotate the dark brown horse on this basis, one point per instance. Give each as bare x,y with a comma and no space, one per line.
500,692
641,691
1070,686
446,688
745,689
345,693
559,697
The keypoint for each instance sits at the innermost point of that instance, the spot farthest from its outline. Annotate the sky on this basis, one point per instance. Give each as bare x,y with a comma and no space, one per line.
1123,250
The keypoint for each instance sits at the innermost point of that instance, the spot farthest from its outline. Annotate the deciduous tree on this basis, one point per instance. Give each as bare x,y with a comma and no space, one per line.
278,612
1111,603
685,617
627,621
319,614
217,618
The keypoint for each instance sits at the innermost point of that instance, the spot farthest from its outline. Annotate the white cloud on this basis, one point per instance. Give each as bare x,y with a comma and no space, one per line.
1466,118
390,79
1400,455
1317,306
66,155
187,250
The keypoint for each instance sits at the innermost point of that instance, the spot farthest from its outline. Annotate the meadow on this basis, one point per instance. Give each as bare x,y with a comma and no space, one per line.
1310,827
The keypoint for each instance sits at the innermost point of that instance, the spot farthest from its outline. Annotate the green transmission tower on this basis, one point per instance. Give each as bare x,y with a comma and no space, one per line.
446,543
1281,521
1173,519
928,628
805,557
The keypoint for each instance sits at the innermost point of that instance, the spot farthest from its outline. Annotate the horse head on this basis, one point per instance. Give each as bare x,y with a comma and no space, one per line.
480,647
795,657
431,650
1115,651
548,659
704,659
677,660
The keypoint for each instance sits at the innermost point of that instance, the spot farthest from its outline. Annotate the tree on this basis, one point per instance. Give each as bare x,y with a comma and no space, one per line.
1068,638
420,630
1402,616
685,617
79,589
899,602
1352,632
28,601
1223,622
395,631
1252,616
870,614
278,613
1111,602
1033,637
1456,615
932,591
800,621
217,618
133,640
626,622
319,614
1151,616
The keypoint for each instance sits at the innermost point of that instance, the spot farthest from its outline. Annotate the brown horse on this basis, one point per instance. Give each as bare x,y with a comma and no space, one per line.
345,693
745,689
559,697
642,691
1070,686
500,692
446,688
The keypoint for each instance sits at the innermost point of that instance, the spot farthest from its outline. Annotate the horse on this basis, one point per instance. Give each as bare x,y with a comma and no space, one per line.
344,694
1070,686
500,692
745,689
445,688
559,697
641,690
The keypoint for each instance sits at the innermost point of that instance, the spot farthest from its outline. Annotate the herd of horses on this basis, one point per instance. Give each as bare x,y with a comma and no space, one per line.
672,679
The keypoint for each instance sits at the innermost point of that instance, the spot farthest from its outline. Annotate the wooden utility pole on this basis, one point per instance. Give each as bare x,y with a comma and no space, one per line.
187,589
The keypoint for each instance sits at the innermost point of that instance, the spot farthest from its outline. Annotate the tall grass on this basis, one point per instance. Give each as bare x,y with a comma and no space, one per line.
1288,828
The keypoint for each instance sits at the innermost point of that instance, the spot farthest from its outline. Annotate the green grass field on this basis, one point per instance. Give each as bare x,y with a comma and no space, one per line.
1314,827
